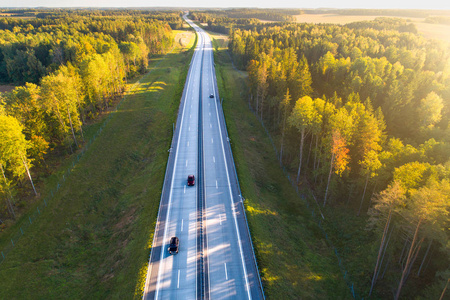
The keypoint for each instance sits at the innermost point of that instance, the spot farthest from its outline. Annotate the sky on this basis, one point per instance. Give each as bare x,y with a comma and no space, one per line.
391,4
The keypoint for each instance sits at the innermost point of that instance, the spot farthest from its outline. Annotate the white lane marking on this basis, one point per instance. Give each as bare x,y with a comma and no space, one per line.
186,162
178,283
247,287
182,221
210,114
189,129
220,219
214,159
209,104
188,143
226,273
158,280
184,190
190,116
210,125
212,141
216,185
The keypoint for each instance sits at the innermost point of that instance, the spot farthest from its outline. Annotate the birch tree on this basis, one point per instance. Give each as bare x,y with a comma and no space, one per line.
13,149
60,96
284,107
342,128
304,117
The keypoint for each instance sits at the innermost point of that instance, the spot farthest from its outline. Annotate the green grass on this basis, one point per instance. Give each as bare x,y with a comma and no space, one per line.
294,259
94,238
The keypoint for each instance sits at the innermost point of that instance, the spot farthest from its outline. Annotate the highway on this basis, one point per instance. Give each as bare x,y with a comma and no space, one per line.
216,258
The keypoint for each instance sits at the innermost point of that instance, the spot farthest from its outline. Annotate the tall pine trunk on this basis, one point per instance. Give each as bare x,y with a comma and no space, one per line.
310,149
424,258
315,152
257,102
364,193
71,127
384,253
445,288
8,198
413,260
302,140
329,179
29,175
262,107
380,250
408,261
282,143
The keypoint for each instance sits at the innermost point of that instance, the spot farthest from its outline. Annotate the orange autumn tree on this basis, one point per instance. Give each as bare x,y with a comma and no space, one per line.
339,158
342,127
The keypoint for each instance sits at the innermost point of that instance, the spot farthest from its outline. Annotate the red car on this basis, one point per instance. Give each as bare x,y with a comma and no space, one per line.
191,180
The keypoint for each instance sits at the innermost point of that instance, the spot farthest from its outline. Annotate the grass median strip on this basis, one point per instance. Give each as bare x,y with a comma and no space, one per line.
94,238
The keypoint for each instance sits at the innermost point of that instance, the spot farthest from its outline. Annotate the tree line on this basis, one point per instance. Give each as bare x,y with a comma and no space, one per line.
68,70
283,15
361,114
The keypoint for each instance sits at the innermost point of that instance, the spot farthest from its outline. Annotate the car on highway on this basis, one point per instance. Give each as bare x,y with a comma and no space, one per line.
173,245
211,96
191,180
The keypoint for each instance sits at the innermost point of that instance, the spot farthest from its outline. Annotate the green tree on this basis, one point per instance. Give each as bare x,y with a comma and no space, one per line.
60,95
304,117
428,204
24,103
341,131
430,110
284,107
13,149
390,200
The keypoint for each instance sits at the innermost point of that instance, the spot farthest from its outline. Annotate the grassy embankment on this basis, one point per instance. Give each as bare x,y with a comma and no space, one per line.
93,239
294,259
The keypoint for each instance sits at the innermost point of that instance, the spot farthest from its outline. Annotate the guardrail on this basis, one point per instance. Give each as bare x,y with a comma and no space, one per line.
168,175
237,185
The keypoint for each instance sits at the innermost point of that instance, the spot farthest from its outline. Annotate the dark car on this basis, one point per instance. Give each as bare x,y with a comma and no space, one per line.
211,96
191,180
173,245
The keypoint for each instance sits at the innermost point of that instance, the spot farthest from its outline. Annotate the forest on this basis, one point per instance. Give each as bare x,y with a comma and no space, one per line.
360,115
67,67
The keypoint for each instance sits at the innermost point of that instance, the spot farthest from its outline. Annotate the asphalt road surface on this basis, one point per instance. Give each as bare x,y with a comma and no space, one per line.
216,258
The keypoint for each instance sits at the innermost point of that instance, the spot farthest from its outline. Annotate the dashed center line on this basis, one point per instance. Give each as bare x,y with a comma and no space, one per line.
216,185
188,143
210,125
212,140
184,190
226,273
182,224
214,159
178,283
